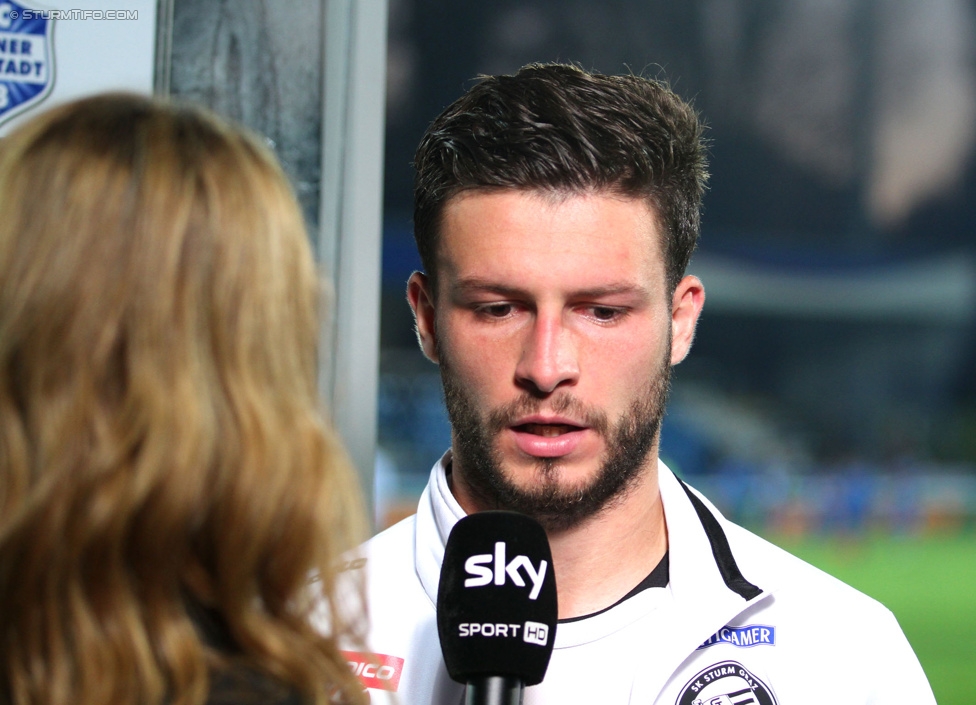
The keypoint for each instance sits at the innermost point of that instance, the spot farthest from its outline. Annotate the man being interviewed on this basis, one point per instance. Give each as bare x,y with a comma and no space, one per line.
555,213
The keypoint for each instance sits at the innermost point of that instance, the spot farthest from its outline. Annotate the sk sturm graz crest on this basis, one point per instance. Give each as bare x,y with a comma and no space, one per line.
26,57
726,683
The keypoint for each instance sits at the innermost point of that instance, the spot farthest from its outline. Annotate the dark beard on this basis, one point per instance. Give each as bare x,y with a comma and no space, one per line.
628,444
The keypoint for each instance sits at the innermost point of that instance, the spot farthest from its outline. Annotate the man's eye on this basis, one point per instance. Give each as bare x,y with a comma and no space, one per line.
605,313
495,310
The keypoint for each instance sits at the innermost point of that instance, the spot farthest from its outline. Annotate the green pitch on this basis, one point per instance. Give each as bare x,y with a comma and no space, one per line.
930,585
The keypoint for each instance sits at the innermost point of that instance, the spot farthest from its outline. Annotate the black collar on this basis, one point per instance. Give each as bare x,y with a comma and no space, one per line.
720,548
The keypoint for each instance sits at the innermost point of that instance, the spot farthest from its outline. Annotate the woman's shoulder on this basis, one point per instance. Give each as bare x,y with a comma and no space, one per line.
241,685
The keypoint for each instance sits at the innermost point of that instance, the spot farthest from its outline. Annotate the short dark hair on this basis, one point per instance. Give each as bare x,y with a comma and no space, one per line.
556,127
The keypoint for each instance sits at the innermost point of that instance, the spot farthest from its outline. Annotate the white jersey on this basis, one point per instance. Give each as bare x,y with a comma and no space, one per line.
740,622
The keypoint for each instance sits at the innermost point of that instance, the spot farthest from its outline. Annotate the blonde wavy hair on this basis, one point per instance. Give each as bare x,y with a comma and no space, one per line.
162,449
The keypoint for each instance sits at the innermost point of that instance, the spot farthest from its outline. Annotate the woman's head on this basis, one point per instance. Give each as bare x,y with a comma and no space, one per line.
160,438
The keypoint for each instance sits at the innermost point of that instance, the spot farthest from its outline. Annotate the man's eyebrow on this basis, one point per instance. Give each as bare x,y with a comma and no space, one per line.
474,285
607,290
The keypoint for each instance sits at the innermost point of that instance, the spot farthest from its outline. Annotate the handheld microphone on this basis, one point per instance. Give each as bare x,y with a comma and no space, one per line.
496,606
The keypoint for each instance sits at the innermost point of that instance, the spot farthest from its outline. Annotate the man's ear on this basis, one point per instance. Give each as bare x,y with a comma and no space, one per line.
421,300
686,306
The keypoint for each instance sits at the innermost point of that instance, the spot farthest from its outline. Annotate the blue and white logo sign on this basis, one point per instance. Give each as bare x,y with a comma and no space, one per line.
26,57
743,637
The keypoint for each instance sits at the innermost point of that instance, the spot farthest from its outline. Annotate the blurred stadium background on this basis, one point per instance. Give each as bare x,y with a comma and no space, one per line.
830,400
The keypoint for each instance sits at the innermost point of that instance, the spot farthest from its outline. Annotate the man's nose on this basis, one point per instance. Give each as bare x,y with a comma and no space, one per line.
549,357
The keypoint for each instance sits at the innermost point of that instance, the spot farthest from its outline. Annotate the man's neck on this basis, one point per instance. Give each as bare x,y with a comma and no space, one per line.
605,557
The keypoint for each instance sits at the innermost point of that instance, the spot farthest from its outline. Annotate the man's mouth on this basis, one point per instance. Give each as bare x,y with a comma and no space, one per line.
546,430
552,437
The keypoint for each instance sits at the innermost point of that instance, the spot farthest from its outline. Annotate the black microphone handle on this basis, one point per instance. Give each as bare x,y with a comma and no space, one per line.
493,690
